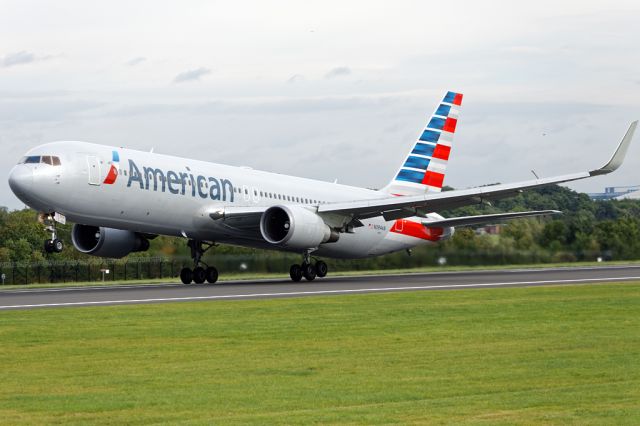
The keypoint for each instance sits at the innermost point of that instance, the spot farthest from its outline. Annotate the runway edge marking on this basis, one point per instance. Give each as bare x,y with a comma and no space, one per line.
316,292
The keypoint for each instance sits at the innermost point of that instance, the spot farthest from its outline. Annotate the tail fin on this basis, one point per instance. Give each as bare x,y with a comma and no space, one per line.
424,167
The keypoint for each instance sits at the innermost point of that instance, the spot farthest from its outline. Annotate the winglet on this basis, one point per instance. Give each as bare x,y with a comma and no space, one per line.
619,155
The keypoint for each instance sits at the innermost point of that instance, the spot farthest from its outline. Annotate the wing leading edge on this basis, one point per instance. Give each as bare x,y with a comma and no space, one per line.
419,205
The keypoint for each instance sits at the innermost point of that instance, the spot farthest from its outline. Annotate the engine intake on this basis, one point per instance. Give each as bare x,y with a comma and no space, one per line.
295,227
106,242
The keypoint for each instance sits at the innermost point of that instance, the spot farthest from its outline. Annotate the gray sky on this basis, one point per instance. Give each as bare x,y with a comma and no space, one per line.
326,89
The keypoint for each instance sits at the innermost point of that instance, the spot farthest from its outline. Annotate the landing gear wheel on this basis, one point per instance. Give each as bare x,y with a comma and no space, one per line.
57,245
211,274
186,276
295,272
321,269
199,275
48,246
309,271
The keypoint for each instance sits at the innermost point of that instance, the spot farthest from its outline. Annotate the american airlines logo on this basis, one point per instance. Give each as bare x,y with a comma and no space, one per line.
182,183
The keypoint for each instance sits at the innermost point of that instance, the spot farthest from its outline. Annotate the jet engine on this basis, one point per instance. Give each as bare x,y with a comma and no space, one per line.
295,227
107,242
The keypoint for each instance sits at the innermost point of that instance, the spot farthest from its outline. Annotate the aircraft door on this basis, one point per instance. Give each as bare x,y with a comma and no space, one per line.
93,163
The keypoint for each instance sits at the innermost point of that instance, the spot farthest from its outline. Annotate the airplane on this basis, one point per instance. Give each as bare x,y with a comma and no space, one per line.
119,199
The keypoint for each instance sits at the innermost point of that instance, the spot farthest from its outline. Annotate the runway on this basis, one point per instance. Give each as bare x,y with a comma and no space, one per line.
267,289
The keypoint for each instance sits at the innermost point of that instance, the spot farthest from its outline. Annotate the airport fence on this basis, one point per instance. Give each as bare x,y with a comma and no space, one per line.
149,268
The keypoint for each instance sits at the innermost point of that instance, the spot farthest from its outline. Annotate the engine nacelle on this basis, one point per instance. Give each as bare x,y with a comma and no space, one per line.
295,227
106,242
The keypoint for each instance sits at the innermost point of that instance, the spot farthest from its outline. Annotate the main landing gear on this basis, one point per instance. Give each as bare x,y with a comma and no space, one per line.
308,270
198,274
53,244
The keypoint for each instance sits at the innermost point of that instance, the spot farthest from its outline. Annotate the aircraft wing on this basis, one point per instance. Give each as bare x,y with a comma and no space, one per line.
419,205
486,218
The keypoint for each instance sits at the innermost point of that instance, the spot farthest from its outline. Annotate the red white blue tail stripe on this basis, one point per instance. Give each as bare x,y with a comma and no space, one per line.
424,167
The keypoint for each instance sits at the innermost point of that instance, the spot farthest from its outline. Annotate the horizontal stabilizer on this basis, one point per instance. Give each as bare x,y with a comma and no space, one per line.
487,218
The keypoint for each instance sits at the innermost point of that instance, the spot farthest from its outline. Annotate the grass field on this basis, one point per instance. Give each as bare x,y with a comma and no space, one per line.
566,355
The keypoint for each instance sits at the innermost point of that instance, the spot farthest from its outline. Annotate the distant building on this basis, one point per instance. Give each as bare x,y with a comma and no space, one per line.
633,195
617,192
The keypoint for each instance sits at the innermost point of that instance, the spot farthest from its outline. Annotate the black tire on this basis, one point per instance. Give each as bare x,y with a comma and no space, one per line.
321,269
58,245
211,274
199,275
186,276
309,271
48,246
295,272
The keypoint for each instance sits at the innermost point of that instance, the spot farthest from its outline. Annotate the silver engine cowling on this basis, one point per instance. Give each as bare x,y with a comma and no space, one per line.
107,242
295,227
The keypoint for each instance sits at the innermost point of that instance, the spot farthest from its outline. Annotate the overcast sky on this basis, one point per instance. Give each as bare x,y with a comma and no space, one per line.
326,89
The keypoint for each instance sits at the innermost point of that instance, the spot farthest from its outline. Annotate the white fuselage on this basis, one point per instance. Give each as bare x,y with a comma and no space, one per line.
159,194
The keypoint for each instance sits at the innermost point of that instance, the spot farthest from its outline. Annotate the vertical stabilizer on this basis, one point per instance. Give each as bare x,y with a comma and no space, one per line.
423,169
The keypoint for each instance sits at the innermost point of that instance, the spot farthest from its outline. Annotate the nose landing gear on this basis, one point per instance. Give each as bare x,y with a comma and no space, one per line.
54,244
198,274
308,270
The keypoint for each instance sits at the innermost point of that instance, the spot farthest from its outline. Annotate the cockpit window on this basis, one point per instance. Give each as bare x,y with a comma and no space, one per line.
33,159
45,159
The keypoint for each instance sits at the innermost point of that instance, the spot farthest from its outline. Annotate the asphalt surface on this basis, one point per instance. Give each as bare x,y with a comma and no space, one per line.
268,289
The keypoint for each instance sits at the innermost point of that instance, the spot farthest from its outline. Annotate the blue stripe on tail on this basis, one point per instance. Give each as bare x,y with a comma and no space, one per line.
416,162
410,176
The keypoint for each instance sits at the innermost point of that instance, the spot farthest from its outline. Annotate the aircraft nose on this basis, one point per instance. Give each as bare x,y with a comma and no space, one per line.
21,180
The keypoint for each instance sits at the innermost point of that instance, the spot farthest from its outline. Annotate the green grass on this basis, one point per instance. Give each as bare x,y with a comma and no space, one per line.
547,355
248,276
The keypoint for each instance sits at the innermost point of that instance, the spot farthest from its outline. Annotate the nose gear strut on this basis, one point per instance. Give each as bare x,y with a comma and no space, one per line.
49,220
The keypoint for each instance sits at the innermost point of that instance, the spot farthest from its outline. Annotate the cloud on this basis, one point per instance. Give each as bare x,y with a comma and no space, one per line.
295,78
135,61
20,58
266,106
40,110
191,75
337,72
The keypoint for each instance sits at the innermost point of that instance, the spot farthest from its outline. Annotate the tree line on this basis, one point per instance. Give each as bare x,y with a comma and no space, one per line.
586,231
